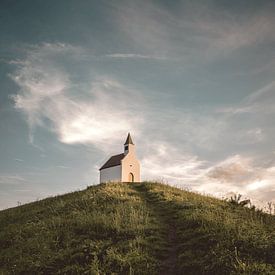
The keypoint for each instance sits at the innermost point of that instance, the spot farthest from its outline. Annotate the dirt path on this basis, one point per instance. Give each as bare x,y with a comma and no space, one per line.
165,215
169,265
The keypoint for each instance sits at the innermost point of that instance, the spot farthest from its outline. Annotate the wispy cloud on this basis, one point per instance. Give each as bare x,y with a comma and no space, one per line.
48,98
260,101
17,188
195,30
62,166
167,162
11,179
134,56
19,160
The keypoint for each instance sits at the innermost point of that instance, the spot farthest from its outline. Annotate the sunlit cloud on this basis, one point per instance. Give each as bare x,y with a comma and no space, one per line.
241,175
236,174
257,185
234,170
166,162
46,98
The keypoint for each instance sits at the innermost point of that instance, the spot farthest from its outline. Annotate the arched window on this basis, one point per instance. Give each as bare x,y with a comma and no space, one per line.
131,177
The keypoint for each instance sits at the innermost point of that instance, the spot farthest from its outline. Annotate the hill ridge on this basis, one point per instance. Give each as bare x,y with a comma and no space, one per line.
137,228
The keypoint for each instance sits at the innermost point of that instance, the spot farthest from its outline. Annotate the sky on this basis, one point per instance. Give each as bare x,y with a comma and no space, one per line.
193,81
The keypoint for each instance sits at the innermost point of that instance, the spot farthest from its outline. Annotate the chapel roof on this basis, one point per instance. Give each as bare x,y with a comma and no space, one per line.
113,161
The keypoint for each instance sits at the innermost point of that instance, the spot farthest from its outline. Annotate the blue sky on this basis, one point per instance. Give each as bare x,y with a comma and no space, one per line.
193,81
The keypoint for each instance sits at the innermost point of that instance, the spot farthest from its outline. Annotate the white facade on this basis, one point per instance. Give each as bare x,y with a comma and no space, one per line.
111,174
123,167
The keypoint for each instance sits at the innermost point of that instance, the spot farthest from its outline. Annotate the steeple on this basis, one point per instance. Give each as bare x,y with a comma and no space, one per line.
128,145
129,140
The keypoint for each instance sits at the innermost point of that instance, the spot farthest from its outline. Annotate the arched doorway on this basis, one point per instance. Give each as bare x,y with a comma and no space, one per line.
131,177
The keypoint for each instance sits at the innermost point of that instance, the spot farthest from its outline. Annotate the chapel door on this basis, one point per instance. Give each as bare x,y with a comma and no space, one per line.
131,177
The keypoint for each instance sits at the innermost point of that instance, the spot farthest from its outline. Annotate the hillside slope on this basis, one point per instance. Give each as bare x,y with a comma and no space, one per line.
146,228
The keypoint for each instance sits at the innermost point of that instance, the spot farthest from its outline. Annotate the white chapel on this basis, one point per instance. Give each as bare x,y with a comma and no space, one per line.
124,167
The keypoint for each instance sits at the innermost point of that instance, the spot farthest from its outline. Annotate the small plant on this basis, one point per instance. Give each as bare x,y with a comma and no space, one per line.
236,200
271,208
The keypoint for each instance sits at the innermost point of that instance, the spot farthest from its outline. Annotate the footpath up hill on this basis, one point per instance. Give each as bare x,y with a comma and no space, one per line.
139,228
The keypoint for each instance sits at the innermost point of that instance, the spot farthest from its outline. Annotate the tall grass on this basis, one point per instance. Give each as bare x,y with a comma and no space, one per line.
101,229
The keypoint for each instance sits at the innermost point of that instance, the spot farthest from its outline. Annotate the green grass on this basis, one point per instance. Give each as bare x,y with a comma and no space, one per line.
146,228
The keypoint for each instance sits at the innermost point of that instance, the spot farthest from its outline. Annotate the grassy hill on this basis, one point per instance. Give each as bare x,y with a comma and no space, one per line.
146,228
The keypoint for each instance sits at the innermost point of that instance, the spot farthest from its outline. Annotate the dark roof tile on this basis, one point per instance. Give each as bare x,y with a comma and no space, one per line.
113,161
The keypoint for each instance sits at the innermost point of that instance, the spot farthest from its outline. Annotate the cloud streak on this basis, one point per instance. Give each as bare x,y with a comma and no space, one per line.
11,179
260,101
47,100
194,31
134,56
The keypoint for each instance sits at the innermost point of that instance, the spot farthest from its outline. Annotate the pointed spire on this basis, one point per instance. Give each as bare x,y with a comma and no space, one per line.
129,140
